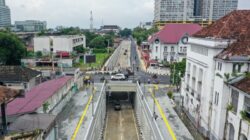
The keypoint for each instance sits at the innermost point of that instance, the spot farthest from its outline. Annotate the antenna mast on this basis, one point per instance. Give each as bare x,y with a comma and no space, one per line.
91,22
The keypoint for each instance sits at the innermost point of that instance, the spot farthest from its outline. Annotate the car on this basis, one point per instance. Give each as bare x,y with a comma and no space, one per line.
118,76
117,105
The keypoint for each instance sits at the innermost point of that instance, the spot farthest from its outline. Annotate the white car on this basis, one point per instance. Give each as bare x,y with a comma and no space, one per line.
118,76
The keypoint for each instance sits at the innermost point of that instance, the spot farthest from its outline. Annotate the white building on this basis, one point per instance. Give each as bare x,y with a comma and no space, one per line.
211,63
170,43
59,43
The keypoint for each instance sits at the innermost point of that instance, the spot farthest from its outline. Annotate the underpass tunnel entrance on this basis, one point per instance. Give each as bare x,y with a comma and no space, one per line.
122,97
120,121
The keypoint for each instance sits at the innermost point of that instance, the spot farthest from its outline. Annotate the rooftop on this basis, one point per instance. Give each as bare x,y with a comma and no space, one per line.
243,85
172,33
234,26
17,74
36,96
32,122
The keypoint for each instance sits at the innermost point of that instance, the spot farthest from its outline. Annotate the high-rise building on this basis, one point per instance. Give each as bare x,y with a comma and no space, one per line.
5,20
203,12
30,26
176,11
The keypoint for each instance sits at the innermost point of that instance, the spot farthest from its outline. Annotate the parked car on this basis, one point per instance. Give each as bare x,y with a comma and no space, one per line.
117,105
118,76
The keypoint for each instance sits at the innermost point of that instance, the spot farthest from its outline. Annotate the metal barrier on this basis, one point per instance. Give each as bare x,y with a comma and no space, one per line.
147,124
95,129
148,127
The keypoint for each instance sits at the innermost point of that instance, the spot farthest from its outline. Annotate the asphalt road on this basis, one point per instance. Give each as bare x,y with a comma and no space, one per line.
138,75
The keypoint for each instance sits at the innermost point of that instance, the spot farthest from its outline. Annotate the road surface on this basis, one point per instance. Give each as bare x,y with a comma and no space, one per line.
120,125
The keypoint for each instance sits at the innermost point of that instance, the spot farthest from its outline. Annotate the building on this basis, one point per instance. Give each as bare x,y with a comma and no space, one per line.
217,56
146,25
19,77
59,43
169,44
6,96
5,20
238,115
172,11
30,26
50,93
203,12
109,28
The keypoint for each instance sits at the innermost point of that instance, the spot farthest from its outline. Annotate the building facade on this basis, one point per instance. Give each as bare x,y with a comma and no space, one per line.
217,56
203,12
58,43
169,44
5,20
30,26
172,10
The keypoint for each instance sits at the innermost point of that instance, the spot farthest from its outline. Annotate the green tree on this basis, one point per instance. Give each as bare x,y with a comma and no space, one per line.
39,54
125,32
11,49
109,40
142,34
177,71
89,37
98,42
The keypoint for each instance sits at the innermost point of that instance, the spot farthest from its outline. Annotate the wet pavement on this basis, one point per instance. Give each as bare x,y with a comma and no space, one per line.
71,114
180,130
120,125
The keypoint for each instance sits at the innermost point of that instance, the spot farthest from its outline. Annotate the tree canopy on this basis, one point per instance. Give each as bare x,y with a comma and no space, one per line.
125,32
11,49
142,34
98,42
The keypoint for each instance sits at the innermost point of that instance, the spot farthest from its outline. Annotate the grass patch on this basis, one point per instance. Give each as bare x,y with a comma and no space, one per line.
100,60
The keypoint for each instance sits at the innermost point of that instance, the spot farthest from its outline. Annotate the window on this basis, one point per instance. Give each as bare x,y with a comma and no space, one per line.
247,104
216,98
172,49
234,98
165,49
181,49
237,67
156,49
219,66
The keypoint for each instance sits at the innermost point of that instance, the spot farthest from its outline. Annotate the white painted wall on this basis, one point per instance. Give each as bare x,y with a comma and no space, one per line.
60,43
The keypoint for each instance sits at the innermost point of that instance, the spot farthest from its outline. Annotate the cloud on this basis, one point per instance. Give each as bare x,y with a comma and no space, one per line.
125,13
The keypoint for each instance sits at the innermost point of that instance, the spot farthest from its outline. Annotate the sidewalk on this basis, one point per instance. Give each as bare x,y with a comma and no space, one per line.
151,70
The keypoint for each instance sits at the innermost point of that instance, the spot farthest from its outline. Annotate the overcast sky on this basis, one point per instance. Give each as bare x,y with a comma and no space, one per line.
125,13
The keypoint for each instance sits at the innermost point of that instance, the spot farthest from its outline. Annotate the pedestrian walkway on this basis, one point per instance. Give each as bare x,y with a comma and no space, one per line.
158,70
163,107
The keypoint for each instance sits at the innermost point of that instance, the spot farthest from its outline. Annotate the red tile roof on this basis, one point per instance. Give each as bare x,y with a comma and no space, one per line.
243,85
36,96
234,26
172,33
